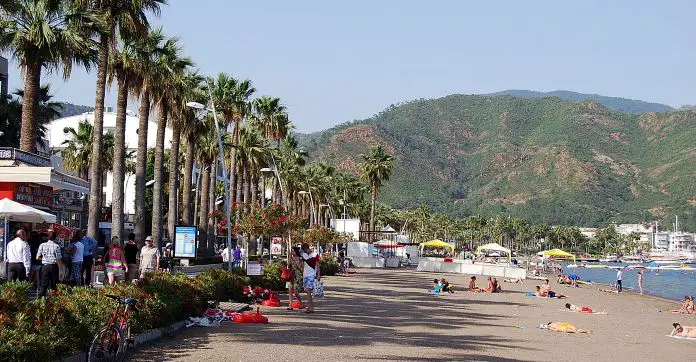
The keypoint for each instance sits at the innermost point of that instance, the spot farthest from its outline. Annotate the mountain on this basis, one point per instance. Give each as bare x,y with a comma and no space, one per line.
615,103
544,159
70,109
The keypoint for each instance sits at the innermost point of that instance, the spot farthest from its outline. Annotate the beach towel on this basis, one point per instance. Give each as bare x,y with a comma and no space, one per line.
593,312
682,337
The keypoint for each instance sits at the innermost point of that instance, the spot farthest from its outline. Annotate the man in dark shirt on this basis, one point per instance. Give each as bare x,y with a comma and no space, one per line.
34,241
131,251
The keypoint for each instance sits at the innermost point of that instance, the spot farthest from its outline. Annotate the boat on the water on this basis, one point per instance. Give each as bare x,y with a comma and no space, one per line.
611,258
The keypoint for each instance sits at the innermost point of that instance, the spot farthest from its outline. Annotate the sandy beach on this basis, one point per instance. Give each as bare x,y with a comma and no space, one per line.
389,315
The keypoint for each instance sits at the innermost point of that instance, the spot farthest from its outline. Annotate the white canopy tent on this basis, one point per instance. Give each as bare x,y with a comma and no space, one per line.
14,211
494,247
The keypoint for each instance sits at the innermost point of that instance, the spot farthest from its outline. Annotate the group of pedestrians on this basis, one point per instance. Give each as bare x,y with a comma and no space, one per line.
127,263
305,265
46,260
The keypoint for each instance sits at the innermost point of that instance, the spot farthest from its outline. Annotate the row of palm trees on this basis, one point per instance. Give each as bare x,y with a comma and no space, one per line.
115,37
511,232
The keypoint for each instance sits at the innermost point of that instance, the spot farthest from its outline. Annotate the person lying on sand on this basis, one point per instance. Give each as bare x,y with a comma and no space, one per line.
575,308
685,331
473,287
513,280
563,327
607,290
550,294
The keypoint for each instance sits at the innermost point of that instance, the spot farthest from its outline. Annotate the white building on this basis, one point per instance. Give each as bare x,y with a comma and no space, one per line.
56,136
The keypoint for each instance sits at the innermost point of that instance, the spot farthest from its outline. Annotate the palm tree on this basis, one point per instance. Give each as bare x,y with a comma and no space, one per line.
46,112
273,117
375,169
129,19
126,62
170,67
184,85
77,154
206,153
253,154
189,132
231,97
154,46
44,34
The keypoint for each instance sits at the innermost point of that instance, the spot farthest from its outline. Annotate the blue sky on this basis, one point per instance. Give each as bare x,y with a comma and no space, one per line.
332,61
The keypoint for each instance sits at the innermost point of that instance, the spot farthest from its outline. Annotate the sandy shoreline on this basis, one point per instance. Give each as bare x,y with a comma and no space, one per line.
389,315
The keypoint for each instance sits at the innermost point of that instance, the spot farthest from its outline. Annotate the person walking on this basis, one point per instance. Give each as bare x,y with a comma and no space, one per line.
149,257
18,257
76,249
640,281
294,285
310,274
131,251
117,262
90,245
35,239
619,275
50,256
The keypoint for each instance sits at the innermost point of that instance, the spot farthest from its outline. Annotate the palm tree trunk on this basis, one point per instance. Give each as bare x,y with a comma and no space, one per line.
30,105
141,164
245,186
254,190
95,190
239,179
197,196
188,175
158,187
119,167
174,179
234,184
373,199
211,204
203,206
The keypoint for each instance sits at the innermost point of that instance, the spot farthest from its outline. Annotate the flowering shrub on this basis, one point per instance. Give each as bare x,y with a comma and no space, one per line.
68,318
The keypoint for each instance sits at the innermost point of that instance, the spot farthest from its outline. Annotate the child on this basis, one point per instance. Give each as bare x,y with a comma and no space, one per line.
437,287
446,286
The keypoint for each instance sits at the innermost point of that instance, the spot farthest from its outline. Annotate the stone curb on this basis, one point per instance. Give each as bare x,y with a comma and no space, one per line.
139,339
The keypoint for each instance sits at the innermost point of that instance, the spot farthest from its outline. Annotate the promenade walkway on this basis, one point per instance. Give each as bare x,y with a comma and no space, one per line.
387,315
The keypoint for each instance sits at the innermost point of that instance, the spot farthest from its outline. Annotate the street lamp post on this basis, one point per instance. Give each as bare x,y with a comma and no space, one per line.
311,205
225,175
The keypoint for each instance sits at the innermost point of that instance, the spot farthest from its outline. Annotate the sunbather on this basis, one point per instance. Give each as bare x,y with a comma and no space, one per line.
473,287
513,280
688,305
437,287
575,308
685,331
564,327
489,287
496,286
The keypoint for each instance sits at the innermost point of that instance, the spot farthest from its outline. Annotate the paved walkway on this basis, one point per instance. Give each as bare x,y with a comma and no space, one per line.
388,315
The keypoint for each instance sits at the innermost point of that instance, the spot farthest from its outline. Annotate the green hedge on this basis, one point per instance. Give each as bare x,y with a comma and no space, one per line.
65,322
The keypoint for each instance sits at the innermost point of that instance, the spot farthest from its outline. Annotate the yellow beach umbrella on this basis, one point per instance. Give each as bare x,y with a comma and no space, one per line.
558,253
437,244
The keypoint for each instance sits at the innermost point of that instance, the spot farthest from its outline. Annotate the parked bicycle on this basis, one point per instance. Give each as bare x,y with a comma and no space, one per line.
111,342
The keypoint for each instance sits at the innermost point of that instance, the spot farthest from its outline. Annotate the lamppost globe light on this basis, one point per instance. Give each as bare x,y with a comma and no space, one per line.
302,192
150,183
266,169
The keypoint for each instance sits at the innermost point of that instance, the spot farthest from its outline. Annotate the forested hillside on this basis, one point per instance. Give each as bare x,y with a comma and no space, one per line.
616,103
545,159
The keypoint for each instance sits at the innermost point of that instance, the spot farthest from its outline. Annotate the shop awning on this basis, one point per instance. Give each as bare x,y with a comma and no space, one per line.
44,176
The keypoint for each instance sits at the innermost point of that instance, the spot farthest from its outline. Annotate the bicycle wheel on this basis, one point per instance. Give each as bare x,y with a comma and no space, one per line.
108,345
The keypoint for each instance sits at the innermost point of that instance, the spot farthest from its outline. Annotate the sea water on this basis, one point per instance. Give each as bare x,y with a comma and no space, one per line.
671,284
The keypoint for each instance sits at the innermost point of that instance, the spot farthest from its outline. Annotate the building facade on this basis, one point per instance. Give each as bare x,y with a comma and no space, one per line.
56,137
